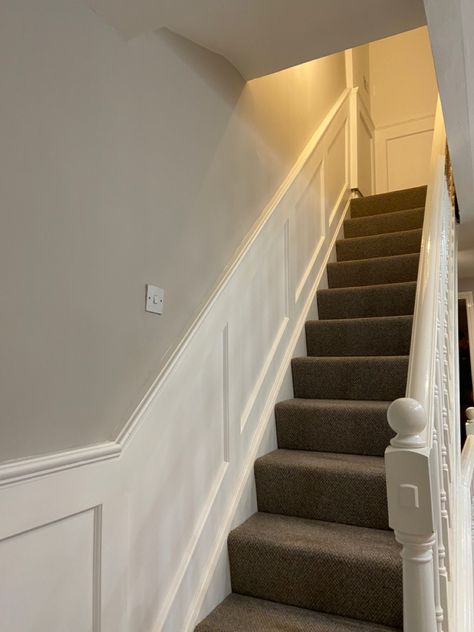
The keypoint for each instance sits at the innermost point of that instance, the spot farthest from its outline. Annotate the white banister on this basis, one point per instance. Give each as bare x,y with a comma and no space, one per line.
423,459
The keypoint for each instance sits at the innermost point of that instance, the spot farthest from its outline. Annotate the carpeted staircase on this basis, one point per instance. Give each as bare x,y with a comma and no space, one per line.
319,556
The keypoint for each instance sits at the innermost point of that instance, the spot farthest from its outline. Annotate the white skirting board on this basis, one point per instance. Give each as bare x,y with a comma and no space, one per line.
130,536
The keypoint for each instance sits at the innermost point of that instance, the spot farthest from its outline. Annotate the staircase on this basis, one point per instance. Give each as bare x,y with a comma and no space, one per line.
319,556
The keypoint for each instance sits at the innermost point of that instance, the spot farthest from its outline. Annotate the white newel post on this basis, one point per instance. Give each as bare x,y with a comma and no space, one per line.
407,462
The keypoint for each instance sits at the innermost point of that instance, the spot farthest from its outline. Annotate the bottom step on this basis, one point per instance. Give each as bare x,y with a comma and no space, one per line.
246,614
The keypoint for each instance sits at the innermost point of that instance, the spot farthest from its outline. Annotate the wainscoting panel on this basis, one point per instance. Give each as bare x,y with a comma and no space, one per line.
129,536
337,169
309,226
50,576
260,319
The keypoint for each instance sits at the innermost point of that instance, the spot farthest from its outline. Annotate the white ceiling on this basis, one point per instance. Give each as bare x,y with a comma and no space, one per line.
262,36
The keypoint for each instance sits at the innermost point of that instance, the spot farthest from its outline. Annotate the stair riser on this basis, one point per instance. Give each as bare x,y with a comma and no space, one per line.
373,271
383,379
367,302
388,245
387,223
389,202
318,581
371,337
354,498
346,431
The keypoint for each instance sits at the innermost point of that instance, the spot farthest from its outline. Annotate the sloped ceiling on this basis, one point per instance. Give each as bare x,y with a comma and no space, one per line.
262,36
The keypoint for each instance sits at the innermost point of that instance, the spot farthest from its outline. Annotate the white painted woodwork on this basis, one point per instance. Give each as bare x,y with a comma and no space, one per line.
362,146
429,494
130,535
66,601
402,154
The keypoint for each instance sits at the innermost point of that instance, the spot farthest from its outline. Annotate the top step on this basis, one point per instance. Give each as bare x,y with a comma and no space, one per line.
387,202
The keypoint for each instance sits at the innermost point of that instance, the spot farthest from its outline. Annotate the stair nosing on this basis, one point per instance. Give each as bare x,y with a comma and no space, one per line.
373,260
359,318
362,287
378,235
389,213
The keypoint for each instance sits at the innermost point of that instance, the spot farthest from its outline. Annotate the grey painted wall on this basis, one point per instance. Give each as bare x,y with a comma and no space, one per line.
122,163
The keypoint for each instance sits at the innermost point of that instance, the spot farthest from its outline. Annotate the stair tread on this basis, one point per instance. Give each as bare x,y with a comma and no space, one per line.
363,272
312,460
385,244
341,569
375,287
388,202
350,377
384,223
384,299
332,539
371,336
240,613
342,488
333,425
376,320
334,404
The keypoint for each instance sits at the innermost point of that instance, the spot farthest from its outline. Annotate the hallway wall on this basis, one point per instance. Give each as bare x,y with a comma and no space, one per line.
122,163
403,103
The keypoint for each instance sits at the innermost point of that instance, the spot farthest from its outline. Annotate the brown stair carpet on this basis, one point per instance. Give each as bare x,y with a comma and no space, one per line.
319,556
403,242
344,488
395,269
247,614
385,335
373,300
386,223
389,202
333,425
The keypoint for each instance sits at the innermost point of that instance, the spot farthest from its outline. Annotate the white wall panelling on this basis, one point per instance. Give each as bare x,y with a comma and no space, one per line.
402,154
130,534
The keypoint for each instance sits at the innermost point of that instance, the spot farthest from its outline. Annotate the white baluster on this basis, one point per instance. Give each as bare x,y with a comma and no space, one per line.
418,589
439,553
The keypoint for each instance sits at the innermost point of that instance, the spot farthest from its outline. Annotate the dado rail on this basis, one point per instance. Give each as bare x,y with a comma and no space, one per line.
429,492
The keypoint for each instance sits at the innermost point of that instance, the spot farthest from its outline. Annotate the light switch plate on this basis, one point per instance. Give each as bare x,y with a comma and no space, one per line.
155,298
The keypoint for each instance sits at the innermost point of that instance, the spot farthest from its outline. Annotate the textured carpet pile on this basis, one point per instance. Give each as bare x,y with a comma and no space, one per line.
319,556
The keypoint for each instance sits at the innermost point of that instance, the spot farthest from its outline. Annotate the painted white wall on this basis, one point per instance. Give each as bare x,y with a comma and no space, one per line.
136,541
402,77
403,103
122,163
361,72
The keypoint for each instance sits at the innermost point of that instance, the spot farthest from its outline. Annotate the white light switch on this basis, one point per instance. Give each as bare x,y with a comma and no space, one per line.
155,298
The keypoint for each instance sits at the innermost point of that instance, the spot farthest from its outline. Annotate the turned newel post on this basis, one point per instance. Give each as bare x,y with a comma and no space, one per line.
407,464
470,421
